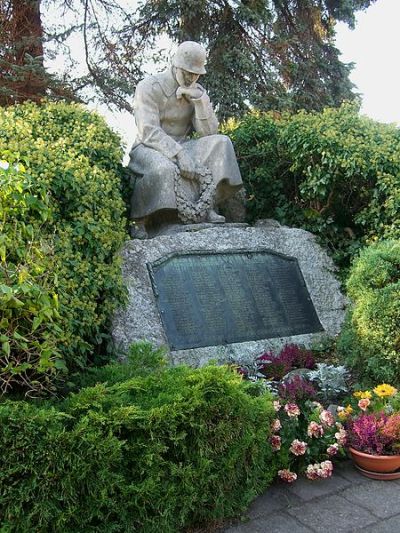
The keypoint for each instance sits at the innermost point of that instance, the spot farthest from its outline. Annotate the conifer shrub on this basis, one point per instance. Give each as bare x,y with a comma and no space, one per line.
175,449
69,217
370,340
140,359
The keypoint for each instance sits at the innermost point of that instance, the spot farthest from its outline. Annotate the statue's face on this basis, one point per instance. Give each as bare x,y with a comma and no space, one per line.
185,78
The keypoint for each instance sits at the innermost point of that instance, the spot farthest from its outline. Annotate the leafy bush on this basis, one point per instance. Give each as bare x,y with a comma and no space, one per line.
28,304
69,225
256,139
334,173
150,454
370,340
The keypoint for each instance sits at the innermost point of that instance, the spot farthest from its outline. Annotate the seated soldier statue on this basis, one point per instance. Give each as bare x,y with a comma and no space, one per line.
176,176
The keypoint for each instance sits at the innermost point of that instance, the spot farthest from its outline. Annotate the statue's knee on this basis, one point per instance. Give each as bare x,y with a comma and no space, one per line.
224,142
166,170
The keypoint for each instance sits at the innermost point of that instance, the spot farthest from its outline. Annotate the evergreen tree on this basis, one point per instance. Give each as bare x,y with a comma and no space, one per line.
26,36
22,42
272,54
22,73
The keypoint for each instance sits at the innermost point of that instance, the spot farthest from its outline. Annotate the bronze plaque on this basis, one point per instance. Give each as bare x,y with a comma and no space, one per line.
216,298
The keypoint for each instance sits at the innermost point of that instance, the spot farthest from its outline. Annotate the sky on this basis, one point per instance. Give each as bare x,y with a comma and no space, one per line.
374,47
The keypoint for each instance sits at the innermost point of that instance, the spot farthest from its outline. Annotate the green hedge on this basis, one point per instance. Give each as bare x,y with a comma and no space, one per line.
256,140
334,173
28,304
66,203
176,449
370,341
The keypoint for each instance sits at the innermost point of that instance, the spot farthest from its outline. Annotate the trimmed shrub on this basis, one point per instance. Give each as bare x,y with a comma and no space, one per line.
334,173
161,453
141,359
72,179
370,341
349,167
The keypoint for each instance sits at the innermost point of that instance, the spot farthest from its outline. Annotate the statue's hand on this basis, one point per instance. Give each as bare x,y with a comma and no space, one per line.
190,93
186,165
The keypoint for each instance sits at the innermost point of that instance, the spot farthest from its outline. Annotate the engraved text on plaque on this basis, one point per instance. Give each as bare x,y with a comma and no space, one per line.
210,299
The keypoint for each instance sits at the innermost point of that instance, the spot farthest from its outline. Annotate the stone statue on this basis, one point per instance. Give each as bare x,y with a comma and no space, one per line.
177,177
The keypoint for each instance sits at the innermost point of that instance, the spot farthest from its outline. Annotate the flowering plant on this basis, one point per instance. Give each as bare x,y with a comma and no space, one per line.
297,389
306,438
290,357
372,420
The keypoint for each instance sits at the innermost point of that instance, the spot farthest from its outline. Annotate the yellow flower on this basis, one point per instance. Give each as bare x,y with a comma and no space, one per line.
385,390
344,412
362,394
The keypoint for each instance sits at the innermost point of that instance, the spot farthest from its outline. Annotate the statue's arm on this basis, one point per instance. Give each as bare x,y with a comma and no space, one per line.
205,121
147,117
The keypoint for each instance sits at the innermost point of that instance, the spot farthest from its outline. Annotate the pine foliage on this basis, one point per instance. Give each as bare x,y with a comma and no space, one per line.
274,54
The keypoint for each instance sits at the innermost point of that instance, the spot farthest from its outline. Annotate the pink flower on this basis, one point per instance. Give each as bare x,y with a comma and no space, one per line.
319,470
326,418
287,475
367,433
312,472
276,442
332,449
276,425
326,468
340,436
292,410
277,405
315,430
298,447
364,403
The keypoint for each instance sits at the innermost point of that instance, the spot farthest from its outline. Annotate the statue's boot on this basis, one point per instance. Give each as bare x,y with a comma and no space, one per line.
138,230
214,217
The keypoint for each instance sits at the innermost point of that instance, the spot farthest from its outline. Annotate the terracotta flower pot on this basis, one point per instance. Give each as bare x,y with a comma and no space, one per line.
375,463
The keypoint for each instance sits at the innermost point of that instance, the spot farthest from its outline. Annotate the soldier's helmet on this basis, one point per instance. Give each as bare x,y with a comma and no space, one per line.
190,56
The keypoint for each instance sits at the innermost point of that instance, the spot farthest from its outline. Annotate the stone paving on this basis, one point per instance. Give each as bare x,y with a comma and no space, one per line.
347,502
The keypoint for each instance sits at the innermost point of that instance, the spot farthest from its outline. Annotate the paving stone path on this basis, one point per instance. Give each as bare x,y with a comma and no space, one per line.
347,502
